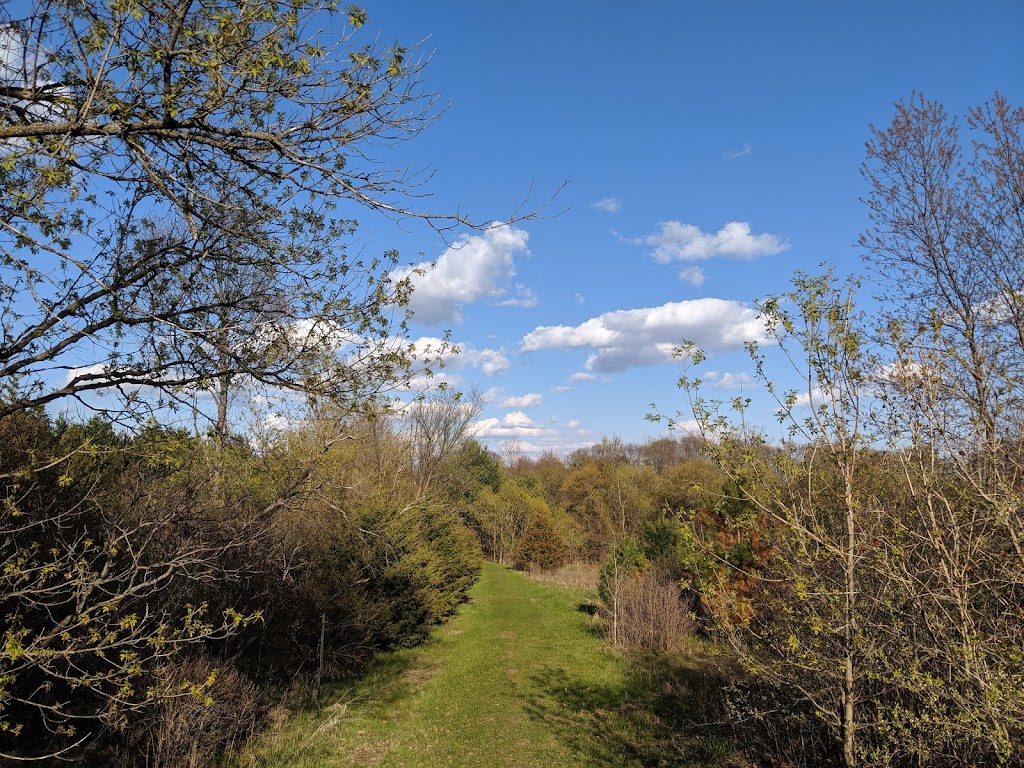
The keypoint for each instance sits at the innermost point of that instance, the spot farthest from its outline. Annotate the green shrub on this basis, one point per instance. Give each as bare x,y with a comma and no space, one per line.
541,546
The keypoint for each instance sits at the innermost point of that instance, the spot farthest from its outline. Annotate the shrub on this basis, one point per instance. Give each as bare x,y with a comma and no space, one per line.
642,603
647,610
207,708
541,547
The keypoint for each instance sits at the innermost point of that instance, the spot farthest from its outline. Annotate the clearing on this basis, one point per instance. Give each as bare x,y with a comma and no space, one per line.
518,679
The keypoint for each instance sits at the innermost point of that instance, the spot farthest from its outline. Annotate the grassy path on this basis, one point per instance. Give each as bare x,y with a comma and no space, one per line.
518,679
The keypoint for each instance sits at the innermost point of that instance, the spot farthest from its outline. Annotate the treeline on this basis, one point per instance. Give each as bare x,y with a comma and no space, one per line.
548,511
160,590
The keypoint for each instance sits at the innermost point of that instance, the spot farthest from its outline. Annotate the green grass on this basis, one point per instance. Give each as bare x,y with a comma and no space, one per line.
519,679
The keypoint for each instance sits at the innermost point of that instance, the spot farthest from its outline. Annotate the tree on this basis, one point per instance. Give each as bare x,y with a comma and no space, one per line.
437,427
177,180
887,595
802,629
945,241
541,546
503,518
152,149
104,558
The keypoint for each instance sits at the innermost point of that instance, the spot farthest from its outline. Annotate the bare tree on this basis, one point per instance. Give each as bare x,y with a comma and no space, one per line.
946,239
436,427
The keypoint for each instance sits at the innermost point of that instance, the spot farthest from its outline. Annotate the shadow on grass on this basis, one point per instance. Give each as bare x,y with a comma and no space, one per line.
309,734
667,712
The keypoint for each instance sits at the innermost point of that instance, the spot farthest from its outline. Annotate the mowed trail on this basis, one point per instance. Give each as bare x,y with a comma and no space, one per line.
507,683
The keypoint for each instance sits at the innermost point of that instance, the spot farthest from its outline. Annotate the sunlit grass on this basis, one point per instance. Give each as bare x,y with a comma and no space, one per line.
521,679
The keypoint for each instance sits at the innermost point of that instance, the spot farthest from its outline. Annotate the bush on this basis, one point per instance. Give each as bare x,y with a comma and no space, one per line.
541,547
642,603
649,612
207,708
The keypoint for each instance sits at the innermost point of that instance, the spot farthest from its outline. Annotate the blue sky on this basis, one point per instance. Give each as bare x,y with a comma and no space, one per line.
710,150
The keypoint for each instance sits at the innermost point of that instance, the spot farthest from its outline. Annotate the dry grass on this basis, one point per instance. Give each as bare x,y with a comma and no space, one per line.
649,612
577,575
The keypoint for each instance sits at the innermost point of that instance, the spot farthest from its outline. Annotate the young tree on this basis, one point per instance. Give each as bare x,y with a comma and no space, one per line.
802,629
890,591
947,228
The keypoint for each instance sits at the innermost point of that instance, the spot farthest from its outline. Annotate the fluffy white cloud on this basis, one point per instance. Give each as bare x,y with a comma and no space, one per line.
609,204
808,398
693,275
491,395
512,425
490,361
633,337
685,242
687,426
475,268
531,400
524,297
104,373
581,376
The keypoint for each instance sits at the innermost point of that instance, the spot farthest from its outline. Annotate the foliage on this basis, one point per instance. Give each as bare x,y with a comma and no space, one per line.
193,725
883,582
481,466
184,161
100,547
503,518
541,547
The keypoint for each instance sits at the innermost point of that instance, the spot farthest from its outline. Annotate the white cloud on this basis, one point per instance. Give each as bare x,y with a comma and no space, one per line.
314,333
490,361
561,388
685,242
693,275
732,154
579,298
90,371
424,383
475,268
648,336
608,204
581,376
23,64
572,424
112,375
531,400
814,396
524,297
728,380
689,426
512,425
